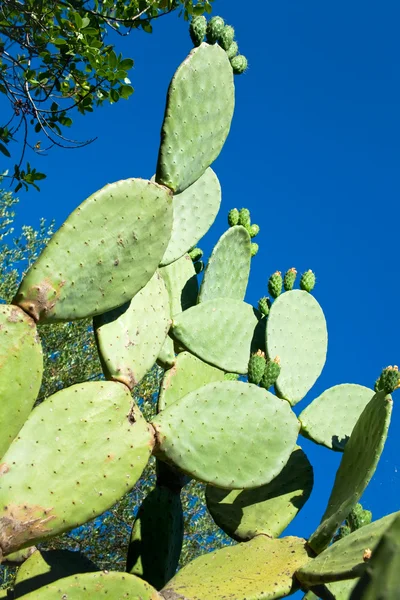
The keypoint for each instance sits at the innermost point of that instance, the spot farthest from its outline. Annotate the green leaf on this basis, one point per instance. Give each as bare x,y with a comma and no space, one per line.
4,150
85,22
126,64
125,91
112,59
78,20
60,42
114,95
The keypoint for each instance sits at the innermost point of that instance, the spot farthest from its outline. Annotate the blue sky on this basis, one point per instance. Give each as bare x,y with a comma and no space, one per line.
313,152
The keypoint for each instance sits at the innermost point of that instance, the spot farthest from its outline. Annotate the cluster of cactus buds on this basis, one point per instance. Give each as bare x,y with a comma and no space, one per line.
389,380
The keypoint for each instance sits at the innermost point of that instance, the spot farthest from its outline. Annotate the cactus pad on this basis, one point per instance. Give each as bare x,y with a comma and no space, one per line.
345,559
188,374
268,509
198,117
166,357
202,447
258,570
330,418
219,331
119,235
194,212
21,369
79,451
129,338
358,464
182,285
227,272
296,332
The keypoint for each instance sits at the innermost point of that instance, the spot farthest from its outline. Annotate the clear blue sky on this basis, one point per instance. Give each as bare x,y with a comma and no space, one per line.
313,152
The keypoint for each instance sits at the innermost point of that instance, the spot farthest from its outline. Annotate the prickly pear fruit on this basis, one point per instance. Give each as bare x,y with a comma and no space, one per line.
226,38
198,266
253,230
342,532
195,254
257,364
359,517
239,64
264,304
232,50
271,373
307,281
215,28
231,377
233,217
275,284
253,249
389,380
197,29
244,217
289,279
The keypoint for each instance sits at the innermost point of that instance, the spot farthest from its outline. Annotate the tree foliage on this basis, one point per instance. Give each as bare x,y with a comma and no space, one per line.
56,57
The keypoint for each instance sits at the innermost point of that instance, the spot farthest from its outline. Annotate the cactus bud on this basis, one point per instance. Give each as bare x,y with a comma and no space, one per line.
195,254
256,367
226,38
253,249
232,50
389,380
359,517
289,279
197,30
271,373
342,532
244,217
253,230
198,266
239,64
215,28
275,284
231,377
307,281
233,217
264,304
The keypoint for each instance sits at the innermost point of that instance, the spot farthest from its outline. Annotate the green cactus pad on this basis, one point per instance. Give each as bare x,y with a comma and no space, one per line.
330,418
258,570
189,374
130,338
105,584
345,559
212,434
182,285
79,452
156,539
227,272
268,509
166,357
198,117
118,236
46,566
296,332
340,590
21,369
359,461
194,211
219,331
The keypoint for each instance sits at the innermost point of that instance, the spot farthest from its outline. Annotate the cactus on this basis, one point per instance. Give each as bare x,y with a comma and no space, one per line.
195,254
256,367
275,284
244,217
271,373
233,217
253,249
239,64
253,230
264,304
289,279
225,40
197,29
307,281
232,50
389,380
215,27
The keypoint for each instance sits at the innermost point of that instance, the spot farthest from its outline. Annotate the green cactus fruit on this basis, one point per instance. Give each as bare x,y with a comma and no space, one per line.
44,567
271,373
215,27
239,64
359,517
197,29
260,569
188,374
226,38
275,284
342,532
166,357
197,119
268,509
345,559
389,380
79,452
194,212
219,332
129,338
256,367
118,236
156,538
359,461
254,230
199,267
21,370
202,448
231,377
289,279
196,254
232,50
228,270
233,217
264,304
330,418
244,217
307,281
253,249
182,285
